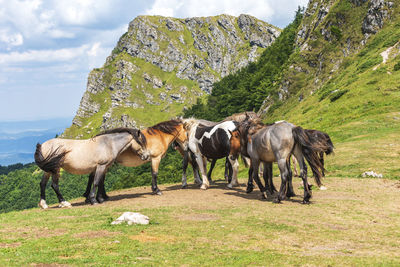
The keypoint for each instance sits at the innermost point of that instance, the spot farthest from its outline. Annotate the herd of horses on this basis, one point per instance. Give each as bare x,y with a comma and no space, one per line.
198,141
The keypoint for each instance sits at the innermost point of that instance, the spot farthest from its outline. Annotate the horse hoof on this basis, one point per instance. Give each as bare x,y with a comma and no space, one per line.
277,200
184,186
87,200
100,199
159,193
249,189
42,204
204,186
93,201
305,201
289,195
65,204
263,195
230,186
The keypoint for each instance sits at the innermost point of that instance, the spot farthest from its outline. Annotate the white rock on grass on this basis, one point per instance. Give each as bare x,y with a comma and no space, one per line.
132,218
372,174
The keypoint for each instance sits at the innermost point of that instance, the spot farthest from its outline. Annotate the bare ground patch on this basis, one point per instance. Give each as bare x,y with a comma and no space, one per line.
10,245
95,234
144,237
198,217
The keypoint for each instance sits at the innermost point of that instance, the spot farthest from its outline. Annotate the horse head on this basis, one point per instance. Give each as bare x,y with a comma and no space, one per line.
138,144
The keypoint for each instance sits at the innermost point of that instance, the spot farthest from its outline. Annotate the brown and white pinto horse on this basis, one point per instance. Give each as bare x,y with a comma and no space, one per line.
158,138
214,142
188,156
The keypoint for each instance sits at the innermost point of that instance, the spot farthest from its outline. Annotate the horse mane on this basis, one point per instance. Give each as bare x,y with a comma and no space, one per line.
137,134
168,127
242,116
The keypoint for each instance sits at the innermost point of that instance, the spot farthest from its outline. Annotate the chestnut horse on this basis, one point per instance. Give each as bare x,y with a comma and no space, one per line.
92,156
158,138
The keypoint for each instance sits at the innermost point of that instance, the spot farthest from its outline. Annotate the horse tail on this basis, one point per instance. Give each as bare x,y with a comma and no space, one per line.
52,162
245,161
329,144
310,147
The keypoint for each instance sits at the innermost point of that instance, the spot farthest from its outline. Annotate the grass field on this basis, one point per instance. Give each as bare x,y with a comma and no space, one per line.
354,223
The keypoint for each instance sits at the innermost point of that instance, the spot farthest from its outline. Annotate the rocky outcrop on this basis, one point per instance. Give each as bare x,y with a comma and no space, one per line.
154,60
378,11
329,33
215,39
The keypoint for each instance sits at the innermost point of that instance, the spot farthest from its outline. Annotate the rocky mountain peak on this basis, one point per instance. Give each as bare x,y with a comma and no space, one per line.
157,57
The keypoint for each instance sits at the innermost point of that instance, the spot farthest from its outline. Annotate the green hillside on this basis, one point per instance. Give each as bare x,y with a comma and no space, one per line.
334,80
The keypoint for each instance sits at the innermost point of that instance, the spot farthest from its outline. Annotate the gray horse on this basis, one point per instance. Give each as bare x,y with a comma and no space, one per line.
276,143
93,155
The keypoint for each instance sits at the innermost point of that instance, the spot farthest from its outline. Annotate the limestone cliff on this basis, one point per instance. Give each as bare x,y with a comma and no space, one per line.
162,65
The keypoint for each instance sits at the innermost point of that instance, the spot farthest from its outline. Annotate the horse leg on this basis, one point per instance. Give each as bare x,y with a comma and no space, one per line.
255,165
289,191
43,184
211,169
89,187
295,167
200,163
101,191
250,185
155,163
307,187
184,168
233,160
282,164
196,169
54,185
99,173
267,175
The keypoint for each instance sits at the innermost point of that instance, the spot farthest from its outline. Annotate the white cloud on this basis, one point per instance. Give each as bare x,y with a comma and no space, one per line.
86,52
78,12
11,39
194,8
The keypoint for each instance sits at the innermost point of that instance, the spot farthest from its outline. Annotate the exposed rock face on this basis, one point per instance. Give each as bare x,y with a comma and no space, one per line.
377,13
167,62
325,38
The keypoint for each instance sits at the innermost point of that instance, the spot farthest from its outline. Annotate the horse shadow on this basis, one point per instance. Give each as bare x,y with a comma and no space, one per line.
116,198
256,195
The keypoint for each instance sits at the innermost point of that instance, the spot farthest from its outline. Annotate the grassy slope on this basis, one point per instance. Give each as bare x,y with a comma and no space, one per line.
351,224
359,106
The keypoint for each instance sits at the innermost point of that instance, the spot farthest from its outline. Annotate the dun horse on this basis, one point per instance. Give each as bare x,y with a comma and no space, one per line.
158,138
326,143
92,156
276,143
214,142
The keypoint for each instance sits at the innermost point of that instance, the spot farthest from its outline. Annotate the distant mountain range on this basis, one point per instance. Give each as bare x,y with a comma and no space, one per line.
18,138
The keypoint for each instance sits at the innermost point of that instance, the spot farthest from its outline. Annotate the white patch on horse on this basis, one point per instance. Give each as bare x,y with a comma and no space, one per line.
226,126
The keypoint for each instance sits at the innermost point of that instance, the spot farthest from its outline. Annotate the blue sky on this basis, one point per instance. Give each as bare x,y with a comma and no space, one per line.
47,48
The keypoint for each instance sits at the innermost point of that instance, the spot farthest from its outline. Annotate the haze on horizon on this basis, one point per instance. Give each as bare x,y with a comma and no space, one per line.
47,48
